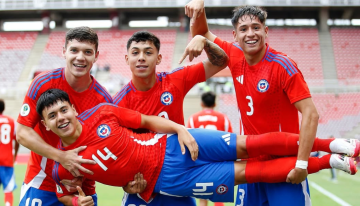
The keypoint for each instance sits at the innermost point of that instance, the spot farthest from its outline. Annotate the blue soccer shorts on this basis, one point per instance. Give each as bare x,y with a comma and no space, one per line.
158,200
7,179
33,196
211,176
280,194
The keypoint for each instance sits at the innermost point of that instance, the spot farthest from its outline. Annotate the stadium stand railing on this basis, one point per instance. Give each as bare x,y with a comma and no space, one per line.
88,4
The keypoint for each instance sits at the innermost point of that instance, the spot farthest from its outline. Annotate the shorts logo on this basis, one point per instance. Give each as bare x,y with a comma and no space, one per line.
103,130
166,98
25,110
222,189
263,85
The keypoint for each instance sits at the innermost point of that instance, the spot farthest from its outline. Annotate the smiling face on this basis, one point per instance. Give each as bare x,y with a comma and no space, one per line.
60,117
250,34
80,57
142,57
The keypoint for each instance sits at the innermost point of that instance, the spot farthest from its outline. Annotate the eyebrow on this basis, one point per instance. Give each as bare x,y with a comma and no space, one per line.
139,48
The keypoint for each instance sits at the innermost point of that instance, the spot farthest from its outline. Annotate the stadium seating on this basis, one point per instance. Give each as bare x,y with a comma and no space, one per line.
15,48
301,44
346,45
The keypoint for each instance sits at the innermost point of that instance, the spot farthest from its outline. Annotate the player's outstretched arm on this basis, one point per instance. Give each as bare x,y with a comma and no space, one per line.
81,200
162,125
195,10
69,159
217,58
309,123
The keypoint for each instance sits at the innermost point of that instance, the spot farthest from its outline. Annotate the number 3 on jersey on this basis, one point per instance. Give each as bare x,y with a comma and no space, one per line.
251,105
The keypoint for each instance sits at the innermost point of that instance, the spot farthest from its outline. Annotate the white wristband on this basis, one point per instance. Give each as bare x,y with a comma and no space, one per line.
301,164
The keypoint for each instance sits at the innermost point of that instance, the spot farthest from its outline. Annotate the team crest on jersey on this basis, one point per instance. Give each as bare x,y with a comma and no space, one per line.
263,85
103,130
25,110
166,98
222,189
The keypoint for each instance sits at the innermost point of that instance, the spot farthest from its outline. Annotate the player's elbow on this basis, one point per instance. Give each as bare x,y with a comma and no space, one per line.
21,134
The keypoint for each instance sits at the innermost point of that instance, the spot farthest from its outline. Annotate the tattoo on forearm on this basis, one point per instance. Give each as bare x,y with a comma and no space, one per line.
216,55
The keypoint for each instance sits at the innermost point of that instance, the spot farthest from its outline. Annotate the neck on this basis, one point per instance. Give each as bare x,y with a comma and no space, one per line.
208,108
253,59
66,141
79,84
144,84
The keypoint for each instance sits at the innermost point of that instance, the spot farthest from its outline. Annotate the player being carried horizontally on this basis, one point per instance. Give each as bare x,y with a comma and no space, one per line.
121,153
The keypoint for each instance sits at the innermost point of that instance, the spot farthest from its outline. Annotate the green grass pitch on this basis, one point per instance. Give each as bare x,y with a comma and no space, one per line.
345,189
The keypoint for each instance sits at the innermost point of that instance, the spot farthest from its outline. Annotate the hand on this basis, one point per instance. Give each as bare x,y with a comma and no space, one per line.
83,199
136,186
296,175
70,185
194,48
185,138
194,9
72,162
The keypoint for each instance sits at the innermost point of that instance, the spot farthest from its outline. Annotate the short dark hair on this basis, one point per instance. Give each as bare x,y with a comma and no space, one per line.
208,99
50,97
82,34
143,36
252,11
2,106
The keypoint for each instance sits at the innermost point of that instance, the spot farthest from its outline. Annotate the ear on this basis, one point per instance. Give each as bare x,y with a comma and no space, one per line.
266,31
96,56
127,59
44,123
159,58
234,34
63,52
73,107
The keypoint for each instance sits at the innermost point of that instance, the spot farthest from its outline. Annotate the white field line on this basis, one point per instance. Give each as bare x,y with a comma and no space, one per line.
329,194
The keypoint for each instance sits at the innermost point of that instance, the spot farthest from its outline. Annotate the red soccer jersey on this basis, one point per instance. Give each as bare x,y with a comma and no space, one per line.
119,152
266,92
166,97
38,173
210,119
7,137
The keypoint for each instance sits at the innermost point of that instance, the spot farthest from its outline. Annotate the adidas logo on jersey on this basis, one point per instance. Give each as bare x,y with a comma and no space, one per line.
226,138
240,79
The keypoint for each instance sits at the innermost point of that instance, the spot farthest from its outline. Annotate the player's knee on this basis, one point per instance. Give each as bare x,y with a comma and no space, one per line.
239,168
241,147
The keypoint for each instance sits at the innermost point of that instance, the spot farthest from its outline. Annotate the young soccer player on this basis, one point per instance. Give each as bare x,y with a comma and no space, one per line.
208,118
120,152
164,92
8,155
80,52
270,91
